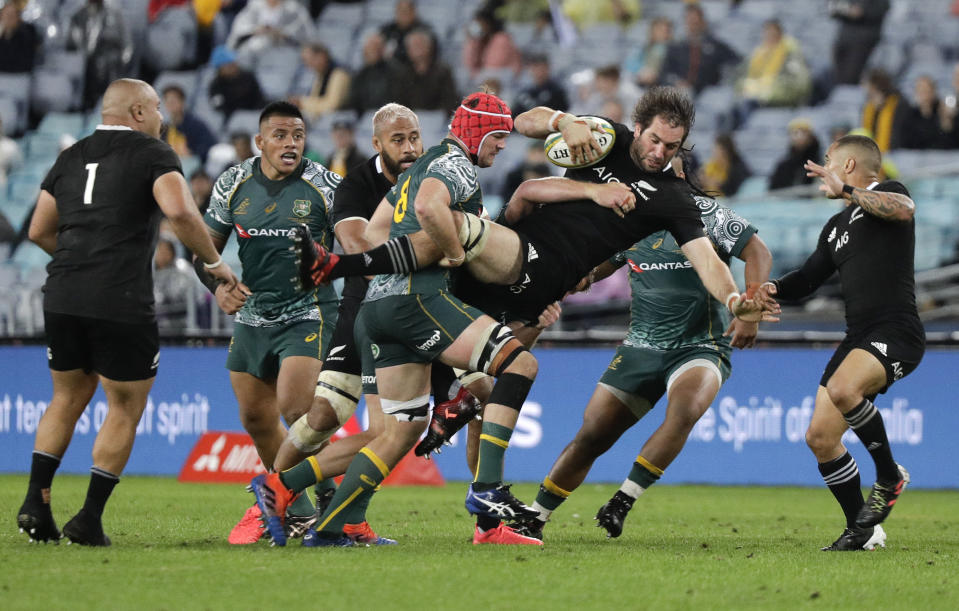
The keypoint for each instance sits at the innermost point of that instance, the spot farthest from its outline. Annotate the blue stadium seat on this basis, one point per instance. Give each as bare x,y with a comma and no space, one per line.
244,120
53,91
58,123
16,89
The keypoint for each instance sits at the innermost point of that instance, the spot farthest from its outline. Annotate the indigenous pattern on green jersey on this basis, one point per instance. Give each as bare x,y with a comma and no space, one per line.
448,163
670,306
263,212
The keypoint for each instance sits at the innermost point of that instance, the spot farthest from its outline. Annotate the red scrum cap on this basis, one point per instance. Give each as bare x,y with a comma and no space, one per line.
478,116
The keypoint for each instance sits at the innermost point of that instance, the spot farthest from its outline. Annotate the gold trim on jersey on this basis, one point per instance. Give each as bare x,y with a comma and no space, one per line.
436,322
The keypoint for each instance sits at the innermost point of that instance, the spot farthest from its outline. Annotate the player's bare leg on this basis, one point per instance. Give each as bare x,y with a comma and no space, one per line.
605,419
111,451
689,397
259,414
72,391
861,375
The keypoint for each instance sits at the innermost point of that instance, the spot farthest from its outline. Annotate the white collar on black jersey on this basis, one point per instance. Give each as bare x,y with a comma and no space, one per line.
379,165
872,186
117,128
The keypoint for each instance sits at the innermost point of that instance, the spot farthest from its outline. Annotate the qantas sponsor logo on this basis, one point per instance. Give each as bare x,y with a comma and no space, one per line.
254,232
653,267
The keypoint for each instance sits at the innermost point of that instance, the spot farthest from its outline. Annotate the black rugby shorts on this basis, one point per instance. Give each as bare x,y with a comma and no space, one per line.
119,351
899,347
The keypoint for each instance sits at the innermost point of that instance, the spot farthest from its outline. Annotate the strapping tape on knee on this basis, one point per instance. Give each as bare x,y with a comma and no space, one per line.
307,440
414,410
495,351
474,232
468,377
341,390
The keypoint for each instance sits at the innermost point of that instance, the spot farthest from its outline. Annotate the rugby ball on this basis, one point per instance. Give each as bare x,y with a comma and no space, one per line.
558,153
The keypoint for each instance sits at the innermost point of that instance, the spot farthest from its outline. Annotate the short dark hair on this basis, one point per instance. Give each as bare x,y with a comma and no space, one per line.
866,151
280,108
670,103
881,80
174,89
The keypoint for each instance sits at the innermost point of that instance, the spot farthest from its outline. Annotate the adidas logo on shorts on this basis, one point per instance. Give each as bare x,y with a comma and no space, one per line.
881,347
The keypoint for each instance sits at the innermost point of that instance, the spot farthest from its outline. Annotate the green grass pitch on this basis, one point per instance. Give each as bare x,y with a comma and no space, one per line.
684,547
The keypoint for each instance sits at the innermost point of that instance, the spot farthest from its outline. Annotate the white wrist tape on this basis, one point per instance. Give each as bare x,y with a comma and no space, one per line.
215,264
731,297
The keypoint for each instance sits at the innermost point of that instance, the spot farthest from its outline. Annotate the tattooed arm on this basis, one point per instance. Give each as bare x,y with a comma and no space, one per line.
883,204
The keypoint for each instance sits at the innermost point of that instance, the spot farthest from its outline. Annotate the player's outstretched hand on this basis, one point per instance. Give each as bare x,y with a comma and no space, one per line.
752,310
578,134
831,183
614,195
743,333
549,316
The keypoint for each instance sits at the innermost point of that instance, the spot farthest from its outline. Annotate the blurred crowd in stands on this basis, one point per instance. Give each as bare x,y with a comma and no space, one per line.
774,81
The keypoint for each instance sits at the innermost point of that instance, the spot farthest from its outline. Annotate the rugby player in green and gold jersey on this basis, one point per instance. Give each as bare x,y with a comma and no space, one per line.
678,345
281,333
412,319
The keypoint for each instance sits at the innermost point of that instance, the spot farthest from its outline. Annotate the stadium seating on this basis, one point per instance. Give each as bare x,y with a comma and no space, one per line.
918,38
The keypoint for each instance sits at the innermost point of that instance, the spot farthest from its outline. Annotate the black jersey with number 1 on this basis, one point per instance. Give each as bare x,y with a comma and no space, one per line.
107,228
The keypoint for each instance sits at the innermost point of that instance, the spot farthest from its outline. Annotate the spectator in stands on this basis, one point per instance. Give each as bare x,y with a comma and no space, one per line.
543,89
405,20
646,63
269,23
186,133
226,155
725,171
923,129
607,84
233,87
428,81
171,36
535,165
860,27
201,188
885,113
948,111
19,41
698,60
586,13
98,31
775,74
489,46
803,146
613,110
378,81
330,88
345,155
10,155
173,280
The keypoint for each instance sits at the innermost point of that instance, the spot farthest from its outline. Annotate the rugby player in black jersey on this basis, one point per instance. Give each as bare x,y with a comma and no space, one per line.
871,244
97,215
548,249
